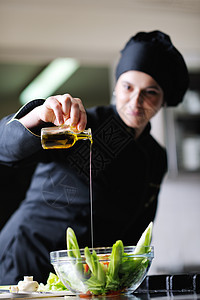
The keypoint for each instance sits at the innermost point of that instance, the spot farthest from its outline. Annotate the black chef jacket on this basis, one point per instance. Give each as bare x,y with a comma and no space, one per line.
126,177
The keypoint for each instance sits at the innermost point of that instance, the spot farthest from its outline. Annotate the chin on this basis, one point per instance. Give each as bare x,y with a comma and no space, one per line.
130,123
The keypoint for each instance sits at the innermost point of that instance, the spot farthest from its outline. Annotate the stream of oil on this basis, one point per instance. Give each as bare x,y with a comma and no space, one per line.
62,140
91,199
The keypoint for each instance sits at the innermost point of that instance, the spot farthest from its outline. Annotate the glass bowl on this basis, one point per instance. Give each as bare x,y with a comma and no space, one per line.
124,275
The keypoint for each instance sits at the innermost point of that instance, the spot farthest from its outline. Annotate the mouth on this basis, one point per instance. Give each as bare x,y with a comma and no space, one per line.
135,112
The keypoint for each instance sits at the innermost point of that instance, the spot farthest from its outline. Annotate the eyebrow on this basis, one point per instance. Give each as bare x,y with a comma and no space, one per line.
154,87
148,87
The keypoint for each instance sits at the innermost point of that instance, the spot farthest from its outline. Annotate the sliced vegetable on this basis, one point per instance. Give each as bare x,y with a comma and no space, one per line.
72,243
144,241
113,280
73,246
143,246
131,267
97,281
53,284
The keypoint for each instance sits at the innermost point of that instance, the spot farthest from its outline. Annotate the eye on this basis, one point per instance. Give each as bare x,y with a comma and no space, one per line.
149,93
152,92
127,86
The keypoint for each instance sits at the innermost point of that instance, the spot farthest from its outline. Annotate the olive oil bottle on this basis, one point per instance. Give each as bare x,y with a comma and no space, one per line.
62,137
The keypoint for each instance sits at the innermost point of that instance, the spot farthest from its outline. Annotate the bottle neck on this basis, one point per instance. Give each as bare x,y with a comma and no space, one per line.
84,136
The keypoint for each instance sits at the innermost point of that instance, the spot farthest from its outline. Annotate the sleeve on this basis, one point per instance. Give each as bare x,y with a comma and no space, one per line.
18,143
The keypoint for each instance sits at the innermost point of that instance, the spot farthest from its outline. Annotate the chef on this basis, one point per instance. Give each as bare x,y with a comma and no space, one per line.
128,164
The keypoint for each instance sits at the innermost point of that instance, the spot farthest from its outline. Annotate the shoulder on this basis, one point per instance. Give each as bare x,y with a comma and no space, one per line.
156,153
154,145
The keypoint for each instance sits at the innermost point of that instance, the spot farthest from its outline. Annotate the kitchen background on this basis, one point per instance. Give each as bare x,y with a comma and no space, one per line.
35,33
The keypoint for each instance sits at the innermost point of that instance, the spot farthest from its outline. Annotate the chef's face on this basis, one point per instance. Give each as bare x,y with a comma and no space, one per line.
138,99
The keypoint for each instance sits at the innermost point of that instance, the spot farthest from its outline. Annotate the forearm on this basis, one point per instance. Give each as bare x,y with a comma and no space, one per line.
18,141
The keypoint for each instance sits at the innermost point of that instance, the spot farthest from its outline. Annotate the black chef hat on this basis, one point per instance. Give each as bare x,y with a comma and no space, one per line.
153,53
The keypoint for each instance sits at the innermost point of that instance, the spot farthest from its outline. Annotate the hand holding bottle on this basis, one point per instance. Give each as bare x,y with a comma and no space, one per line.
59,110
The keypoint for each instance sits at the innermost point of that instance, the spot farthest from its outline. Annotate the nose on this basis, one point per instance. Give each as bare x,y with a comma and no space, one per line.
136,97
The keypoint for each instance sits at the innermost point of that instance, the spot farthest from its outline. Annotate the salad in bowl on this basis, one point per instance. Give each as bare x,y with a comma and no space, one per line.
105,270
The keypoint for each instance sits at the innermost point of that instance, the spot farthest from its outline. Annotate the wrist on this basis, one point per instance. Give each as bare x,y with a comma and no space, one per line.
32,119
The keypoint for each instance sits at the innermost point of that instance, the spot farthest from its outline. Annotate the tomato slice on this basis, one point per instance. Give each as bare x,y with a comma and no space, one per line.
88,293
86,268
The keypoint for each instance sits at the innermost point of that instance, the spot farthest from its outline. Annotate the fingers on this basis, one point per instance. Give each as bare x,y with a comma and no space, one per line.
64,109
51,111
78,115
65,102
82,121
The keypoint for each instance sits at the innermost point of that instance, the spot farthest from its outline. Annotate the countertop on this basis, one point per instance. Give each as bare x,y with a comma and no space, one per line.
136,296
159,287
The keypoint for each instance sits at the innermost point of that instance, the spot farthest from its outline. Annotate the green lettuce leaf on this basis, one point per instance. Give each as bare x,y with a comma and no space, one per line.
96,283
53,284
73,246
131,267
144,241
112,277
